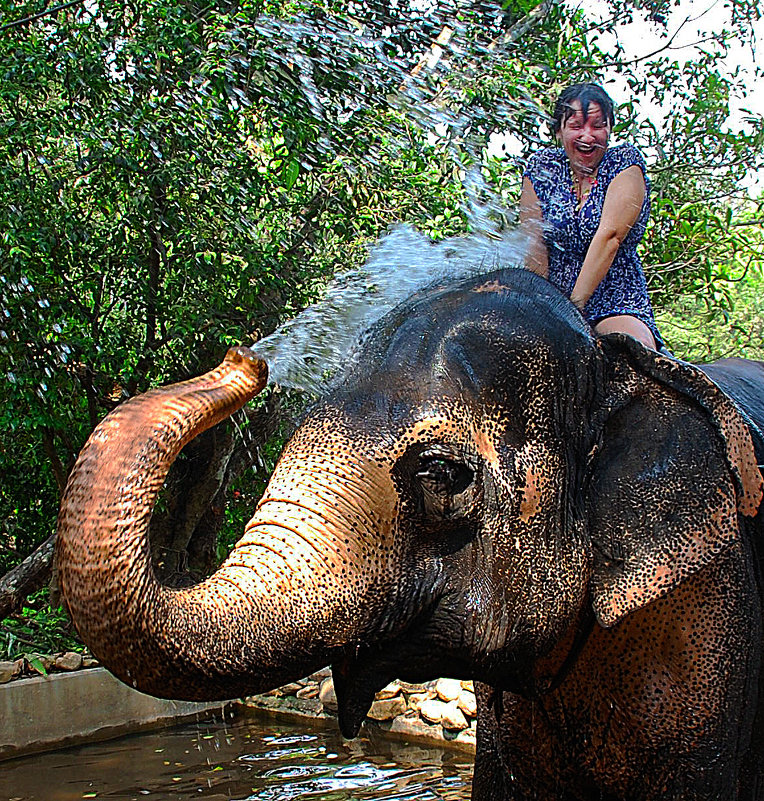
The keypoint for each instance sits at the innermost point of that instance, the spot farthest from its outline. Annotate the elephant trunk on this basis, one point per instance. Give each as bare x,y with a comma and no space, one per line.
222,638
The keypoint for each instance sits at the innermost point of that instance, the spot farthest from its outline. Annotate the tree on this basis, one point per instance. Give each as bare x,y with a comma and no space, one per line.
167,191
140,186
704,244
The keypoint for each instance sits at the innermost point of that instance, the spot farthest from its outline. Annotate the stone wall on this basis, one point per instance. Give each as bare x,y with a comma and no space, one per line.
443,710
31,665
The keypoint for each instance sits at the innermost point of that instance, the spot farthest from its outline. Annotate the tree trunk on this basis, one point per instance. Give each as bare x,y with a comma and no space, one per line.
24,579
184,534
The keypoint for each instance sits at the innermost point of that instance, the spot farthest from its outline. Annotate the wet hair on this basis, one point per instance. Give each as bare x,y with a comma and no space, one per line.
585,93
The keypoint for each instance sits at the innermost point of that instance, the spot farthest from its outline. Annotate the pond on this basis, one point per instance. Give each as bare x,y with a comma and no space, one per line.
246,759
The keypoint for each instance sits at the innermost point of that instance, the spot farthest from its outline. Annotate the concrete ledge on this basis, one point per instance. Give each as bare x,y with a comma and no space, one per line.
44,713
62,709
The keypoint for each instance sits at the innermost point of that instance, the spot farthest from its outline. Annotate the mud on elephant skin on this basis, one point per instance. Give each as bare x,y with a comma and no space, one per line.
493,493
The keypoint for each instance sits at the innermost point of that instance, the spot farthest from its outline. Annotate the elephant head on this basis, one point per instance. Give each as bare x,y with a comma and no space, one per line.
487,477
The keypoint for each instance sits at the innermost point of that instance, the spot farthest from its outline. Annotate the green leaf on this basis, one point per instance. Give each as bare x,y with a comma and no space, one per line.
36,664
290,173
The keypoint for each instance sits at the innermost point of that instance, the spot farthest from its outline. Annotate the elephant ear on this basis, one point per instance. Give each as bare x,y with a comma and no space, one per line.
671,472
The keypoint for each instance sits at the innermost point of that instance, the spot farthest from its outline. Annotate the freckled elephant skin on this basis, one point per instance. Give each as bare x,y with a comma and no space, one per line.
493,493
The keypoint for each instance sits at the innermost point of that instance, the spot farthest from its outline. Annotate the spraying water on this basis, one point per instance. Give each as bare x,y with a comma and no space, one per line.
306,352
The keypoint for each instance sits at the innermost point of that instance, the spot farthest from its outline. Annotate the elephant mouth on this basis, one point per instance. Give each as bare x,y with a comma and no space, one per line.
360,671
356,681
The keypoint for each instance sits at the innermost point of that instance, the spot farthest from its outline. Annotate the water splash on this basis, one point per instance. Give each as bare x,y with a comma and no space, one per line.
306,352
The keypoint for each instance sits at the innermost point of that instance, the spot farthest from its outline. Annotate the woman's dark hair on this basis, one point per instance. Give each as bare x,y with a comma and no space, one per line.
585,93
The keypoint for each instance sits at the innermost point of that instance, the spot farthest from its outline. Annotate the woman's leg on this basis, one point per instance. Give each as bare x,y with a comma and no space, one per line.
626,324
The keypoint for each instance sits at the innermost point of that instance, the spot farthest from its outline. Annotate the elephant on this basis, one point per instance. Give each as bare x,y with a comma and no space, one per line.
490,491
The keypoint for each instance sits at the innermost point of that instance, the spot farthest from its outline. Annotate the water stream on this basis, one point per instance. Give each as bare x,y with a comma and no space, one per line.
306,351
245,760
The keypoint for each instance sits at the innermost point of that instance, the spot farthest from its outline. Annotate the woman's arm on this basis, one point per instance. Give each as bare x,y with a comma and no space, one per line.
623,203
532,222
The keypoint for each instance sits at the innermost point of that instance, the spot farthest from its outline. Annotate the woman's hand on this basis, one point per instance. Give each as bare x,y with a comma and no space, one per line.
623,203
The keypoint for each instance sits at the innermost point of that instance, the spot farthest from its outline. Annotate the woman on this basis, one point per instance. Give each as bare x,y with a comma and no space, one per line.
586,206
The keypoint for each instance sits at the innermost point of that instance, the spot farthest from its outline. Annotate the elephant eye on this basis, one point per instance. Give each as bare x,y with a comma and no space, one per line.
444,476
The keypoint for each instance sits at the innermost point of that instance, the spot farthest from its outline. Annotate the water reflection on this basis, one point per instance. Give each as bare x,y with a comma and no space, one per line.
245,760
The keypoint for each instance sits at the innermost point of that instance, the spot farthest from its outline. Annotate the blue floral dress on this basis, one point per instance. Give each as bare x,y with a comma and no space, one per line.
568,233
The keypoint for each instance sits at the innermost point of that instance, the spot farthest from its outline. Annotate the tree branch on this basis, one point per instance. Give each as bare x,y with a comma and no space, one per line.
667,46
19,22
50,449
530,20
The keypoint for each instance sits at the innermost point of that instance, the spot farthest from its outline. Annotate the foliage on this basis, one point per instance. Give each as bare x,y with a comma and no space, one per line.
166,191
246,491
698,331
704,248
39,628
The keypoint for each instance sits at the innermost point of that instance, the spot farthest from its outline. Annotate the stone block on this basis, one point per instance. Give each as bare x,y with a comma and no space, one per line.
448,689
409,687
387,708
392,689
416,727
467,703
432,710
417,699
465,737
320,675
8,671
308,691
290,689
453,718
71,660
327,696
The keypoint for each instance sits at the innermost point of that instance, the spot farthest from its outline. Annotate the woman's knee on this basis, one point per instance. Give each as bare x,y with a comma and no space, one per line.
626,324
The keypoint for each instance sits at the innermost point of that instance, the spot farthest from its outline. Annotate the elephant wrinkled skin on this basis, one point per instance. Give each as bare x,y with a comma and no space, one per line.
494,493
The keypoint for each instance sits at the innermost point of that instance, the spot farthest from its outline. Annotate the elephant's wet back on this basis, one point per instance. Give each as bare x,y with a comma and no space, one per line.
249,758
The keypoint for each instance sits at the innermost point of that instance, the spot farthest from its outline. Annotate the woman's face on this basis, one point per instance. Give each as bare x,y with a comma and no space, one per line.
585,141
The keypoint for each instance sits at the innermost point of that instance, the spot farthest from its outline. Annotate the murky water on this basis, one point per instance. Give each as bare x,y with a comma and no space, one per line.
244,760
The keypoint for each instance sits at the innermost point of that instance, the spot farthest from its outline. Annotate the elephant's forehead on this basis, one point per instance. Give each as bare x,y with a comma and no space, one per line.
385,436
444,424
